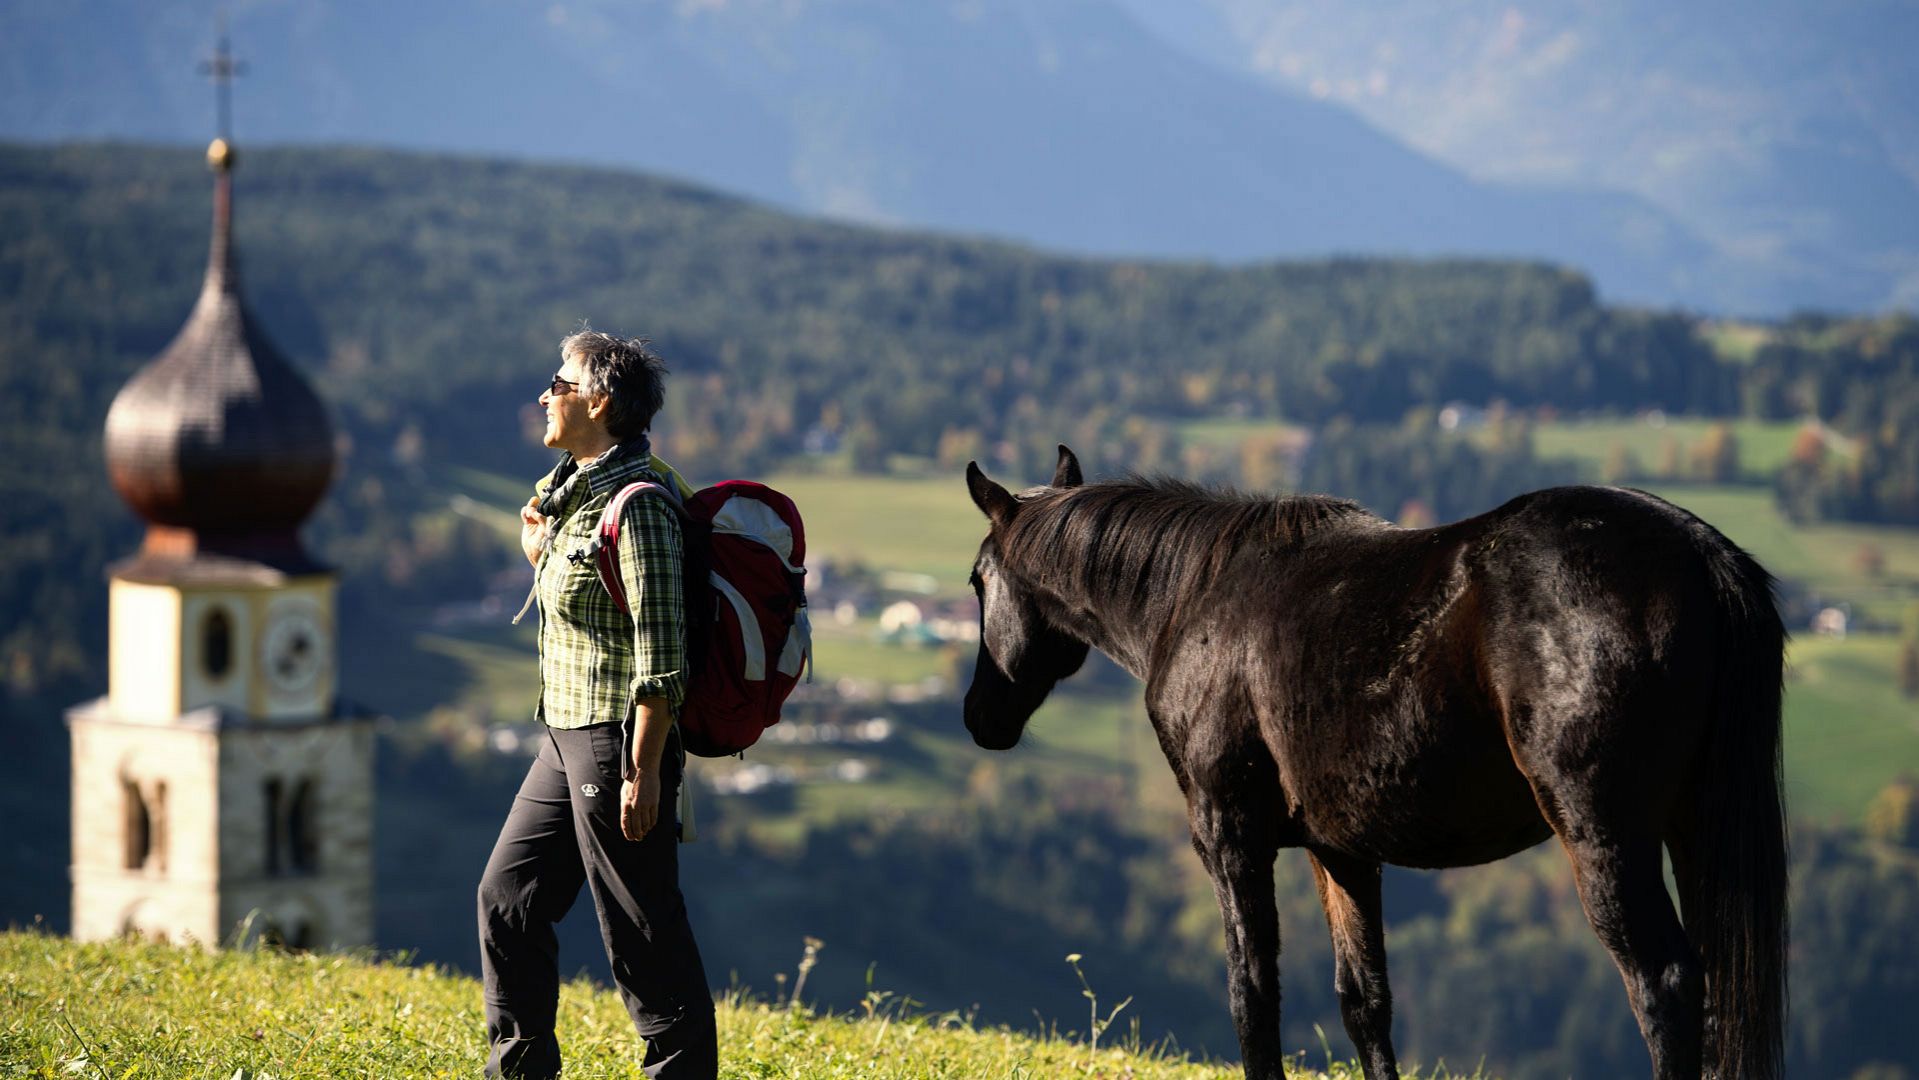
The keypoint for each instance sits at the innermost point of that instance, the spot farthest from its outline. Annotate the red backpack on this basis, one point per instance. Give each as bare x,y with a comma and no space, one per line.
747,635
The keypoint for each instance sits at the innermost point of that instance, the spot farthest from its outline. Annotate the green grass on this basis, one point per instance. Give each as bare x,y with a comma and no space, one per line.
1229,434
922,525
1763,444
1824,557
854,651
1737,341
1848,731
121,1010
503,676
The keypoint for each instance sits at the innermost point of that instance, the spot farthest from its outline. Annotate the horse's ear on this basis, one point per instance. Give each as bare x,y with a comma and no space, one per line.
1066,473
994,501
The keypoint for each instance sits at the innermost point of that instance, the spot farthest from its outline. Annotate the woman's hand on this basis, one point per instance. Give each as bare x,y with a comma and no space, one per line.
640,804
532,530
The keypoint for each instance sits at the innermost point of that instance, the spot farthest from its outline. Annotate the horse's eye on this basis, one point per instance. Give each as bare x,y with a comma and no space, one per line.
973,579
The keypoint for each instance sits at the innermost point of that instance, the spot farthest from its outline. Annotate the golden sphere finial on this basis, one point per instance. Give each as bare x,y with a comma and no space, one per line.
220,154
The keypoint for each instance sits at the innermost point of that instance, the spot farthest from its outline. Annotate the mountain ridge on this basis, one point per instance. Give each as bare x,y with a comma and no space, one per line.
1069,127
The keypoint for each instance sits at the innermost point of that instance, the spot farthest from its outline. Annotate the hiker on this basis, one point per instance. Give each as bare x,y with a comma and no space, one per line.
597,805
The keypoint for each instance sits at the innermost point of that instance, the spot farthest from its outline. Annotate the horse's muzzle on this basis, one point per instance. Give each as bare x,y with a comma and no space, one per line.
988,734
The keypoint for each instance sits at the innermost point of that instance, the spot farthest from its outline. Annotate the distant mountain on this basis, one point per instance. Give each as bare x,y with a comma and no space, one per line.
1784,131
1067,123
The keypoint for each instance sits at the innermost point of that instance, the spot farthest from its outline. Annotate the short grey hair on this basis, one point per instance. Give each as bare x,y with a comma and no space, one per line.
627,371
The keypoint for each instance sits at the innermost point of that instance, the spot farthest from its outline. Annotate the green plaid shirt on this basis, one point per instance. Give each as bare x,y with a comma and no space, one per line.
594,661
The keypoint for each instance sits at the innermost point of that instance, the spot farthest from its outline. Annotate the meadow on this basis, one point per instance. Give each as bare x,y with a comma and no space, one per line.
126,1009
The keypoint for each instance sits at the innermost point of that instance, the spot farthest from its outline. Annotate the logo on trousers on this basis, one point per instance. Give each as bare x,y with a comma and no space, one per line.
589,790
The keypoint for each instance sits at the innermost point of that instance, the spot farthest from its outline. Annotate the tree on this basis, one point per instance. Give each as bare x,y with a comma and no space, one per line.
1808,446
1893,815
1265,463
1622,465
1870,560
1715,457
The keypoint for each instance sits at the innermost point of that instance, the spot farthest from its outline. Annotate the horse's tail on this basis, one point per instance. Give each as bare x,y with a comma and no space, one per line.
1735,910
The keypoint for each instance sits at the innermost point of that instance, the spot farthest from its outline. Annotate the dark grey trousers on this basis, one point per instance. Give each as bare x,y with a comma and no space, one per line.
564,831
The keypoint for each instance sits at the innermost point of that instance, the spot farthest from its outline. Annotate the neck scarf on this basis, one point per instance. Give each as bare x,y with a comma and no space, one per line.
568,473
566,476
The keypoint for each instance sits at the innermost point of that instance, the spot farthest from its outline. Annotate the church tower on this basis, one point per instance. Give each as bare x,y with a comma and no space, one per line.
219,782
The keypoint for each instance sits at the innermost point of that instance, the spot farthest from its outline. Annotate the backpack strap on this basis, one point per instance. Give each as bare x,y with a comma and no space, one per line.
605,548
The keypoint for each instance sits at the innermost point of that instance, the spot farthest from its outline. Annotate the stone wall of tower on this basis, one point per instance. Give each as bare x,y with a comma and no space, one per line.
328,891
174,893
216,847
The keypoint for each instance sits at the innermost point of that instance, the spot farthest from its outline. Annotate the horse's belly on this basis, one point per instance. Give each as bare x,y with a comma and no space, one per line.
1455,809
1465,842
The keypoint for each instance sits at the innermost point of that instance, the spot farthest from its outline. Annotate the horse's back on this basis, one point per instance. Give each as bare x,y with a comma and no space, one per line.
1604,614
1412,684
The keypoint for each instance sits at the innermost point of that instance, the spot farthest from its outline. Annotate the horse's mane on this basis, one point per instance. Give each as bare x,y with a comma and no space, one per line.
1149,542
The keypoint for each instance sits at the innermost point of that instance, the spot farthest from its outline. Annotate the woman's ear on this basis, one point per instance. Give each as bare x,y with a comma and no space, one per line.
596,406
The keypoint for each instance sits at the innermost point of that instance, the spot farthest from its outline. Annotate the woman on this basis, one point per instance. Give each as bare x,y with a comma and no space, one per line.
596,805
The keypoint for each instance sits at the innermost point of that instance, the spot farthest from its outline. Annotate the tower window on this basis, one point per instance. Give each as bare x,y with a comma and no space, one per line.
275,798
216,643
292,827
145,825
139,825
303,828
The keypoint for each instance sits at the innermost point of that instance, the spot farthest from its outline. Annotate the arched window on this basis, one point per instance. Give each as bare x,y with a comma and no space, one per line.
303,828
216,643
139,825
275,836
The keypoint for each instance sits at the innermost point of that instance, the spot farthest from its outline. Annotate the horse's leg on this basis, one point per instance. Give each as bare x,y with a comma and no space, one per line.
1349,891
1624,893
1233,831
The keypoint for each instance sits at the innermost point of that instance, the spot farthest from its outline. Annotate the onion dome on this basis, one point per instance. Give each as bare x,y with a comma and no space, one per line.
218,442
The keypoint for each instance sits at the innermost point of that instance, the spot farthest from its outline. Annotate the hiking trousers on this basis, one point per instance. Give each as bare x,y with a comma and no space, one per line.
563,832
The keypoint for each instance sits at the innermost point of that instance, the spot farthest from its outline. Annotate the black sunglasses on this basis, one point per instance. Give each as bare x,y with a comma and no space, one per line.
555,388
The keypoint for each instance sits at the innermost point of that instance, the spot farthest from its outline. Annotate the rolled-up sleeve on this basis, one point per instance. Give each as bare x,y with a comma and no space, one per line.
650,548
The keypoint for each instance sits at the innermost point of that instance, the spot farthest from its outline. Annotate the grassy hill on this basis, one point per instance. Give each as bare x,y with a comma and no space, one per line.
125,1009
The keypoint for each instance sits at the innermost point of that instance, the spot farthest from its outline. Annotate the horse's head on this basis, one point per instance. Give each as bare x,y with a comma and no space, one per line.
1021,653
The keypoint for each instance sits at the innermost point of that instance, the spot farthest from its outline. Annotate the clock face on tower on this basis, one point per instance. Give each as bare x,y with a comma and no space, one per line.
293,651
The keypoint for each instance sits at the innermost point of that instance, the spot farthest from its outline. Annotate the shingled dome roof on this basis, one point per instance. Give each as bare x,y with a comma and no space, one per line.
219,436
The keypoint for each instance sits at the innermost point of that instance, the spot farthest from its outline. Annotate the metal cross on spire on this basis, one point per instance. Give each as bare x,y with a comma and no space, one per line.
223,69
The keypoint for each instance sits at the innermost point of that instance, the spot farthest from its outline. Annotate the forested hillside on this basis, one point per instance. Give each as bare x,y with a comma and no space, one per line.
425,296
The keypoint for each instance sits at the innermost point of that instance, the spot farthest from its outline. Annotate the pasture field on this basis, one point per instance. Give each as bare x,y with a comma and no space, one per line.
126,1009
1824,557
1848,731
1763,444
854,651
1222,434
917,524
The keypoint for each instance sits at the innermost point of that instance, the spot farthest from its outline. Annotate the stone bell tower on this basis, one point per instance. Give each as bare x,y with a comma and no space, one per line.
219,782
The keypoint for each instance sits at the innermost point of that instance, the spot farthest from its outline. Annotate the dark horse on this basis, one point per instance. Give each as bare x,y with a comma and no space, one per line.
1588,663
